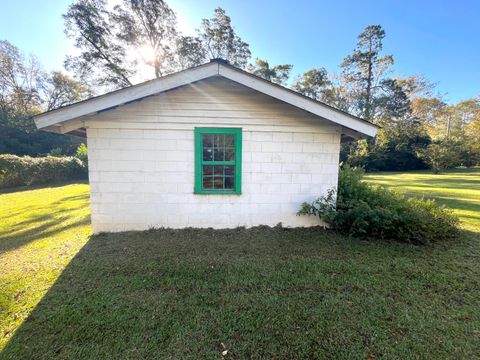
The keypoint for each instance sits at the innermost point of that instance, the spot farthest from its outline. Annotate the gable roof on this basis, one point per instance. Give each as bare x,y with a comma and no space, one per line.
72,115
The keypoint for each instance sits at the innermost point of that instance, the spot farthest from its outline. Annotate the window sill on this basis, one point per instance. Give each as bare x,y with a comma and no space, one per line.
216,192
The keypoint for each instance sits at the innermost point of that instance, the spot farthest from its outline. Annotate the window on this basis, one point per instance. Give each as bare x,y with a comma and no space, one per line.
218,160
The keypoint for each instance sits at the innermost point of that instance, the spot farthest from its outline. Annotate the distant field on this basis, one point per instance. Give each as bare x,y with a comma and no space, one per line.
259,293
458,189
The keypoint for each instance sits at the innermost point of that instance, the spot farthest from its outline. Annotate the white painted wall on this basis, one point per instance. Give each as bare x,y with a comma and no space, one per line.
141,160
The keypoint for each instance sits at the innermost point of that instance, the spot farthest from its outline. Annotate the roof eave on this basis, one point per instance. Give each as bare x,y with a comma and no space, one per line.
298,100
124,96
73,114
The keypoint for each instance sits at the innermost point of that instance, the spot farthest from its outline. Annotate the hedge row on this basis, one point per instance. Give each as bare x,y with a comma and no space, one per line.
26,170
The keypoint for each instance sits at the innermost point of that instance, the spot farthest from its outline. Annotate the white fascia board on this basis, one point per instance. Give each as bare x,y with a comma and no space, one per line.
299,101
126,95
79,110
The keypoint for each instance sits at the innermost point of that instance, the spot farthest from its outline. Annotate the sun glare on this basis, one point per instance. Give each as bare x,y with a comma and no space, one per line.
147,53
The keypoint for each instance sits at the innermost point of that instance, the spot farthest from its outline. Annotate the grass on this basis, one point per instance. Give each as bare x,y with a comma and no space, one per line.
40,231
257,293
458,189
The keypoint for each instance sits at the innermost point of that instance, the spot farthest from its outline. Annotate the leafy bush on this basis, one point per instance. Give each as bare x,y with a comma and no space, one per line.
369,211
26,170
82,153
57,152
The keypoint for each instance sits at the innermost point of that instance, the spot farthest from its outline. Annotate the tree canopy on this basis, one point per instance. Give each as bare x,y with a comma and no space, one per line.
277,74
26,89
116,44
133,40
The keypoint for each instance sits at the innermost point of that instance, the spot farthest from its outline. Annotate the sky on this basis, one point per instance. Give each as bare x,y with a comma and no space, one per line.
439,39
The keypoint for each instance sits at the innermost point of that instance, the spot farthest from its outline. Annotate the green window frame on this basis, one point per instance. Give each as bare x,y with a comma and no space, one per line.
217,169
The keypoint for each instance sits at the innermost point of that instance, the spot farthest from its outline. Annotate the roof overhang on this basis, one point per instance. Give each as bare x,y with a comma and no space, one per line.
72,117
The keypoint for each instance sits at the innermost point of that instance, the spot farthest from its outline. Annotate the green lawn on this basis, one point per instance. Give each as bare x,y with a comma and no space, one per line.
41,230
457,189
259,293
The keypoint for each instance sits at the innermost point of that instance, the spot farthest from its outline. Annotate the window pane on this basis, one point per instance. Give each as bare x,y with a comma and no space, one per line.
229,182
219,141
207,144
207,140
219,170
218,182
218,154
229,140
207,154
208,182
229,170
229,154
207,170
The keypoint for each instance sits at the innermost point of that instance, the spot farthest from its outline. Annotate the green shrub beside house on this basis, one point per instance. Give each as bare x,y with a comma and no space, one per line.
367,211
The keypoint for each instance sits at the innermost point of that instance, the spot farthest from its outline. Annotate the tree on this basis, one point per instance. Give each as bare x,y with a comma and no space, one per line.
464,114
473,131
115,45
428,110
365,68
189,52
149,26
401,136
25,89
441,155
397,147
416,86
61,90
447,121
219,40
20,80
19,95
312,83
319,85
103,57
393,103
387,102
278,74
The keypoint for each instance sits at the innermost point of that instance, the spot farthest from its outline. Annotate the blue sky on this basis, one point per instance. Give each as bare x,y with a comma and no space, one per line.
440,39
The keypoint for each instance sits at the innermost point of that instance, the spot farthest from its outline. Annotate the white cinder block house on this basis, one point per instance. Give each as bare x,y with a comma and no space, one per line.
211,146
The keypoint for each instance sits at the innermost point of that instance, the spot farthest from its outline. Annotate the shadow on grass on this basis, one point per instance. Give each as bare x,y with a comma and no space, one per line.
47,229
262,292
48,208
48,223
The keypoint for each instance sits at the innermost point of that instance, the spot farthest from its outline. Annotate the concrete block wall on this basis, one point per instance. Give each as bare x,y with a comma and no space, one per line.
145,178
